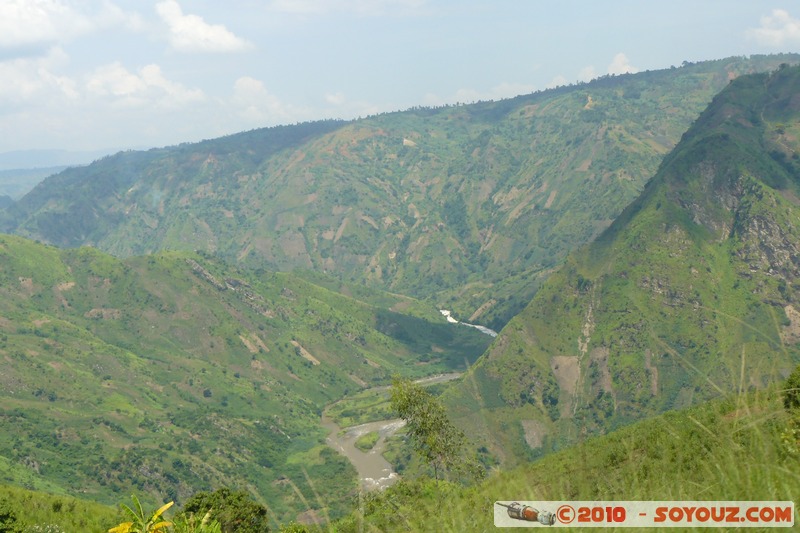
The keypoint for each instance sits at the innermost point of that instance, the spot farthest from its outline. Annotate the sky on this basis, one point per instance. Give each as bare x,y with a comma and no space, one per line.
130,74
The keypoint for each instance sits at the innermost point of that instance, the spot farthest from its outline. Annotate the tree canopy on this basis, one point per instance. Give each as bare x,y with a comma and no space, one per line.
433,435
234,510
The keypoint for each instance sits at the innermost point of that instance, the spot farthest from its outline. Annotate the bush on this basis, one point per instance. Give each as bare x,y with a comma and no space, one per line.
791,394
234,510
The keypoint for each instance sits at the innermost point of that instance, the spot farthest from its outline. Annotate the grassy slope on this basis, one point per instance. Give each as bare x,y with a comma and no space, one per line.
470,206
727,449
696,281
59,513
165,374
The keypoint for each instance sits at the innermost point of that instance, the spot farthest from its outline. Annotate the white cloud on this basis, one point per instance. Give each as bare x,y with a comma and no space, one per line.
777,29
587,73
27,79
147,87
467,95
254,103
558,81
190,33
109,15
359,7
36,25
342,107
621,65
32,22
114,80
336,99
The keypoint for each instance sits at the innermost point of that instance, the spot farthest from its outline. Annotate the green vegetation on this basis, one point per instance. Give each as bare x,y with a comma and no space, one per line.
142,521
469,206
165,374
369,405
791,435
367,441
234,511
791,394
373,404
692,292
190,523
434,438
15,183
728,449
40,512
170,375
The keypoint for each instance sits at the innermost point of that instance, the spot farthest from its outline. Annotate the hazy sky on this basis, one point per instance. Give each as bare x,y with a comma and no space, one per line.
89,74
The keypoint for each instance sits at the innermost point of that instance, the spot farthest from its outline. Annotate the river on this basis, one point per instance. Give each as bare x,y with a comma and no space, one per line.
483,329
374,472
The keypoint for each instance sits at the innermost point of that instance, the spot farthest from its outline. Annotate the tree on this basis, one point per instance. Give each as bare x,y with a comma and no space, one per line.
234,510
433,436
8,519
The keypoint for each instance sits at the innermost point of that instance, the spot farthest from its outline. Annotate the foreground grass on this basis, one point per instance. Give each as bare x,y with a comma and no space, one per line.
723,450
730,449
38,511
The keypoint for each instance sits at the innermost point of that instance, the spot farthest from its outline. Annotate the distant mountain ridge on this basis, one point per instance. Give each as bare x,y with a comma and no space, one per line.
693,291
470,206
33,159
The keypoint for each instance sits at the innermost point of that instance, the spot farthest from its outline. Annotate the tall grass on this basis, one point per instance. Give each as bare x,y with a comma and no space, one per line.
38,511
727,449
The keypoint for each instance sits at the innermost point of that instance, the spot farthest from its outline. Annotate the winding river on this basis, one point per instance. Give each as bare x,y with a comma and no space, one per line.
374,472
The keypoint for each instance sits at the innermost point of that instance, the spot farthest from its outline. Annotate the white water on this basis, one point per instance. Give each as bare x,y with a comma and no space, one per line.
482,329
374,471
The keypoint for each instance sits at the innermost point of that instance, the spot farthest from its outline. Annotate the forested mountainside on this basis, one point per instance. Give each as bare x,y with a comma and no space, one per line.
693,291
471,206
174,373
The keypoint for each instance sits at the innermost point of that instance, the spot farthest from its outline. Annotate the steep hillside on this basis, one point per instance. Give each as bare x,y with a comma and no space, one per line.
694,290
173,373
470,205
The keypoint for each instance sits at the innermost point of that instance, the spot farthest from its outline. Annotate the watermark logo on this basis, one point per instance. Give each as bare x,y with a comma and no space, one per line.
683,514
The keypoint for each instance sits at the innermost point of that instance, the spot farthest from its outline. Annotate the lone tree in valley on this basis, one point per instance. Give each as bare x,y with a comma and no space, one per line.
433,436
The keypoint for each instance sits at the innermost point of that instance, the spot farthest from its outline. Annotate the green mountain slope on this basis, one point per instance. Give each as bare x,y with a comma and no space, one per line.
173,373
470,206
694,290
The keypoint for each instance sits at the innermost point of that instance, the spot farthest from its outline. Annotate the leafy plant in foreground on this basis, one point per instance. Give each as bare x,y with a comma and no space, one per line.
142,522
190,524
